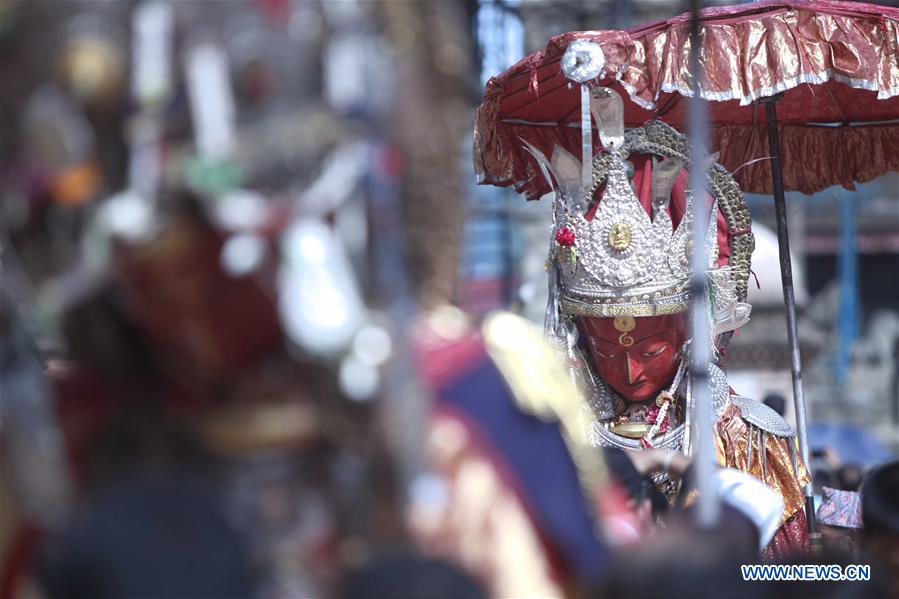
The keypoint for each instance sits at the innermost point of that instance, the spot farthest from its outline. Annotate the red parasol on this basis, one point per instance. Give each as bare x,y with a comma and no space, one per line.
834,62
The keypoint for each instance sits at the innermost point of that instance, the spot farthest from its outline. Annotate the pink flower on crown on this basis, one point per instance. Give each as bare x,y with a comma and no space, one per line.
565,236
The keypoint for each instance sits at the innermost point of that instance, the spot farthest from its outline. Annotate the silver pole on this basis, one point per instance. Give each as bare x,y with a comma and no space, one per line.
786,277
708,509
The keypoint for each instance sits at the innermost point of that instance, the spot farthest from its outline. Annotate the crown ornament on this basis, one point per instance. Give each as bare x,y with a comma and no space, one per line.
624,259
621,261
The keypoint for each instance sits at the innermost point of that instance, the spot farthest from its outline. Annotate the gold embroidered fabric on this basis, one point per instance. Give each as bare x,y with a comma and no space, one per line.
732,448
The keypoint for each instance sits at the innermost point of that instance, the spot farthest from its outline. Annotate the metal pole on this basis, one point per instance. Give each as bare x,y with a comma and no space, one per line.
786,277
708,508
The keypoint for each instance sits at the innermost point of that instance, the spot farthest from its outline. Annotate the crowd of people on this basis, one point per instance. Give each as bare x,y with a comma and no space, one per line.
172,504
266,480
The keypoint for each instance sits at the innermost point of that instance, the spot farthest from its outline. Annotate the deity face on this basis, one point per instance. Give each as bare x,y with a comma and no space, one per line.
637,357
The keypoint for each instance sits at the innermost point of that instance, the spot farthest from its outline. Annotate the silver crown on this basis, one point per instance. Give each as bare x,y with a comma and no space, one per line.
622,249
622,261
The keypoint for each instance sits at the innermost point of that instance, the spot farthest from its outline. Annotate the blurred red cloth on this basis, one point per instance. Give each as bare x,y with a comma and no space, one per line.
791,539
206,324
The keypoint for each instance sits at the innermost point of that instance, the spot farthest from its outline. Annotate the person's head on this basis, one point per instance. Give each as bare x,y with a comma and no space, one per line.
637,357
880,500
839,519
849,477
880,520
838,538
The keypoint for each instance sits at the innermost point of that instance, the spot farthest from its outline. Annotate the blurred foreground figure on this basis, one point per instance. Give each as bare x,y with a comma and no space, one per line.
514,493
209,460
619,267
407,574
36,490
684,562
150,536
880,516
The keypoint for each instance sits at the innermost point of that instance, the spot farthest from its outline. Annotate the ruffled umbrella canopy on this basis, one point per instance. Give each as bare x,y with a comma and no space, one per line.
836,64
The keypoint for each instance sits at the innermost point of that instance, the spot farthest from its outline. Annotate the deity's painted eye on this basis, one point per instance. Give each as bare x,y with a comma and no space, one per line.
605,356
656,352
